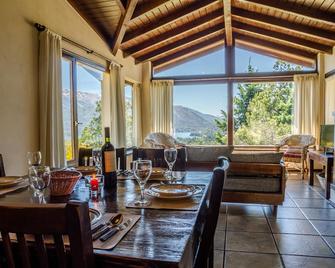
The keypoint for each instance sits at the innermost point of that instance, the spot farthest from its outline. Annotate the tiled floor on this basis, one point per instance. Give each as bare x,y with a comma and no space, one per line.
301,235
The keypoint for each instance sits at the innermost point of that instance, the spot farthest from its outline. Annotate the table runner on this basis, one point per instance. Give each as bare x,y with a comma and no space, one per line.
190,204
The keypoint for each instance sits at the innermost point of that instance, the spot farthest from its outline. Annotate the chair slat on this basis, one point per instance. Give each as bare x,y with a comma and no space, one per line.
8,249
60,250
41,251
24,252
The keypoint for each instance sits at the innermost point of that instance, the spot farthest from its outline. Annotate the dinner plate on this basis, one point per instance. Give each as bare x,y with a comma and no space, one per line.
95,215
172,189
10,181
189,194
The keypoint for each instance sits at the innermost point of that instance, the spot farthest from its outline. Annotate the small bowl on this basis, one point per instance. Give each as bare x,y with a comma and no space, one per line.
62,182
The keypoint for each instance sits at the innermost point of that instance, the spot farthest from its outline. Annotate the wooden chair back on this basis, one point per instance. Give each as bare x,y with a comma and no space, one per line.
157,157
2,167
56,220
204,256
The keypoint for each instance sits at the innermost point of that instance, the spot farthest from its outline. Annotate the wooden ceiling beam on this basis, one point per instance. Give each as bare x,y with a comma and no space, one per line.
122,26
211,17
283,24
189,51
121,6
189,58
196,6
146,7
228,22
277,50
182,42
295,9
284,37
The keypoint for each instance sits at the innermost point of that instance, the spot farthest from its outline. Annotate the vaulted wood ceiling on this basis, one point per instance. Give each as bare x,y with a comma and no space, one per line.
167,32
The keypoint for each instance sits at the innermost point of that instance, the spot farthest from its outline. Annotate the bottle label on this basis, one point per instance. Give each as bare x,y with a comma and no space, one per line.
110,161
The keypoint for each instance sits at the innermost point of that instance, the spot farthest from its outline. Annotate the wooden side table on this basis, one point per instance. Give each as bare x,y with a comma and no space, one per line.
326,160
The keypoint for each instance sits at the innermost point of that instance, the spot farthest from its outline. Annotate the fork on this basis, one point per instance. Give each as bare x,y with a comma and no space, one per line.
114,230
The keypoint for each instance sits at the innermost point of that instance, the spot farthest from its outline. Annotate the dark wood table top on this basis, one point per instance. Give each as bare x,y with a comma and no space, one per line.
161,238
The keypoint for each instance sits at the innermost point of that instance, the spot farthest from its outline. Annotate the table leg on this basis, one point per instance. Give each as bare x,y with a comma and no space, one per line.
311,172
328,178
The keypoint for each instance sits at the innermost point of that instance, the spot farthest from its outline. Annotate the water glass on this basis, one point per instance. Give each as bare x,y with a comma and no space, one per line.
34,158
97,158
39,178
170,156
142,171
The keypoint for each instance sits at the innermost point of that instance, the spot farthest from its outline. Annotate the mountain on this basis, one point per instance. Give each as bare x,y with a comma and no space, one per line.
190,120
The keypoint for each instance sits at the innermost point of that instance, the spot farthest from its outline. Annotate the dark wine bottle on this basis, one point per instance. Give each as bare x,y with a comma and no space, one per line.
108,162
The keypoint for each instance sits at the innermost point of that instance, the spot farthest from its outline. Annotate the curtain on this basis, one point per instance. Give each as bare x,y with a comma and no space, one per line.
50,100
161,92
330,100
307,118
137,115
113,106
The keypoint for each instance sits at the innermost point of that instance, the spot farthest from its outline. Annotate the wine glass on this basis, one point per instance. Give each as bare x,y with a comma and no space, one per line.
170,156
97,158
142,171
39,179
34,158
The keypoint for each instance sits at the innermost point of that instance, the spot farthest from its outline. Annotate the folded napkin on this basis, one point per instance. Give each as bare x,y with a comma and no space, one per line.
21,185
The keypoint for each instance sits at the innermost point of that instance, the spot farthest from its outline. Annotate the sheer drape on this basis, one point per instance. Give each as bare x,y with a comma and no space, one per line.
137,115
307,105
50,100
113,106
161,92
330,100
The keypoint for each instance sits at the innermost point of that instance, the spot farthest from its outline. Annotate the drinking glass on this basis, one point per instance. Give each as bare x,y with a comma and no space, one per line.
170,156
34,158
97,158
39,178
142,171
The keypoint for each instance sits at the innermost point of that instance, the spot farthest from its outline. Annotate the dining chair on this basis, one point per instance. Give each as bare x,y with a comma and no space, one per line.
205,252
55,220
2,167
157,157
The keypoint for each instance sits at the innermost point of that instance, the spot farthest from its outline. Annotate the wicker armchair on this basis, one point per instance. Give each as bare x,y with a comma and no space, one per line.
158,140
296,148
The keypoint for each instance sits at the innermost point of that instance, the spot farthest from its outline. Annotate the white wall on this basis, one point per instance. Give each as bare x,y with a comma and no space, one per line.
19,126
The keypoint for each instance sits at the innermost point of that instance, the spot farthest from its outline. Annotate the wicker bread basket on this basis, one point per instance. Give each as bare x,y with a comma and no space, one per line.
63,182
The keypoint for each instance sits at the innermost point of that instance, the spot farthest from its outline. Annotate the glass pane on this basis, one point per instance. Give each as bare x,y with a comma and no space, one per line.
200,113
263,112
89,106
212,63
128,91
67,108
247,61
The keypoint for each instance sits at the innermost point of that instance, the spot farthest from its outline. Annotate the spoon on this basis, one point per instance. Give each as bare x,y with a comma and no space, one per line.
112,222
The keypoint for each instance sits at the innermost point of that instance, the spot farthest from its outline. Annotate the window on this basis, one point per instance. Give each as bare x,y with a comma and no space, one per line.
200,113
81,95
128,92
198,66
263,112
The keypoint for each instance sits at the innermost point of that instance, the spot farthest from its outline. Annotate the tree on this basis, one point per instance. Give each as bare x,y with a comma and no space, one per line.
221,136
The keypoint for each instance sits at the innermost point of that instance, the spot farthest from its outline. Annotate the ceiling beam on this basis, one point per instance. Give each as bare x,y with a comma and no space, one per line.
207,33
211,17
146,7
121,6
189,58
227,22
241,14
122,26
276,50
284,37
177,15
293,8
189,51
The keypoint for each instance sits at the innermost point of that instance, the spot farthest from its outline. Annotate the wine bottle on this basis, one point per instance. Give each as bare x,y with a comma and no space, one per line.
108,162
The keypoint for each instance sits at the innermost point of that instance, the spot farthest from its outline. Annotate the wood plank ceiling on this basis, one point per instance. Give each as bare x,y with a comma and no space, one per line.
167,32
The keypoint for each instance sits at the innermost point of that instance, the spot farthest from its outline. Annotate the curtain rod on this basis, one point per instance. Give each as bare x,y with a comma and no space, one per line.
42,28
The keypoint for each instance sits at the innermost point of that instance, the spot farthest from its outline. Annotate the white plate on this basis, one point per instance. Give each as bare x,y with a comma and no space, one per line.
151,193
10,181
172,189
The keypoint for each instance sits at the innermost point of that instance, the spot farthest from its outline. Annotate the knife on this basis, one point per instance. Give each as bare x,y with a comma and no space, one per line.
114,230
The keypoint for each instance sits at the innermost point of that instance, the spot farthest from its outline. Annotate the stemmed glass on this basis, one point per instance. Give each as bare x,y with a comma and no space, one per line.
39,179
170,156
34,158
142,171
97,158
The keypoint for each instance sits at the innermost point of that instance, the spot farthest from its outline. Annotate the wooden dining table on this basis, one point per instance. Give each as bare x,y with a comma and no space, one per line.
161,238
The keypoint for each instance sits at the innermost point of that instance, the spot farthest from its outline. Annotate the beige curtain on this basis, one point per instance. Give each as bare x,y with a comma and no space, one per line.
113,105
50,100
330,100
307,103
161,92
137,115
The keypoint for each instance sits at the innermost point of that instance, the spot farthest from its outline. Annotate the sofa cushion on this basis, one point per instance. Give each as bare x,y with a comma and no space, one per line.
252,184
256,157
207,153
